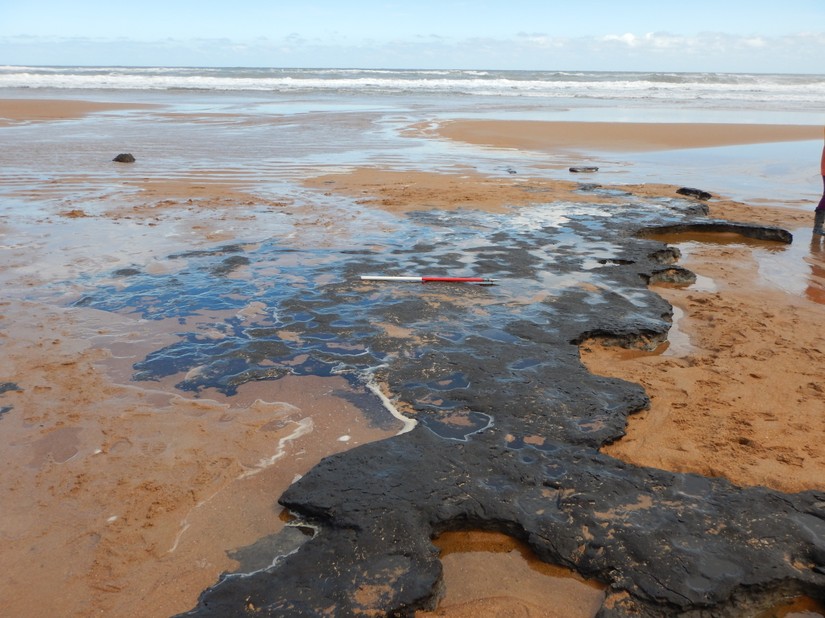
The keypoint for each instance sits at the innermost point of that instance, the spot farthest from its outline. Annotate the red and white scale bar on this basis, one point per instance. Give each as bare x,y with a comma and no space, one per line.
480,280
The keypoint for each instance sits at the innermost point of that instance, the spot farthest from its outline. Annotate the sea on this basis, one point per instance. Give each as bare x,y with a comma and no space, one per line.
767,91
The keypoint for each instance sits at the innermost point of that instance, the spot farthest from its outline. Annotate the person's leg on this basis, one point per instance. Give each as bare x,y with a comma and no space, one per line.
819,213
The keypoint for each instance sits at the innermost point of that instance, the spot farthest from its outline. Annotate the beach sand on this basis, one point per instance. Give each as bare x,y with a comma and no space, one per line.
739,394
21,111
123,498
617,136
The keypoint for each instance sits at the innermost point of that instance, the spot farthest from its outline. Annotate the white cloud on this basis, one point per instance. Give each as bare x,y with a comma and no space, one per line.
756,41
651,51
627,38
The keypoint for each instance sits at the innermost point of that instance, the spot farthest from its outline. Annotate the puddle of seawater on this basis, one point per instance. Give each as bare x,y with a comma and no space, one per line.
800,607
797,268
815,286
715,238
482,564
704,284
58,446
678,341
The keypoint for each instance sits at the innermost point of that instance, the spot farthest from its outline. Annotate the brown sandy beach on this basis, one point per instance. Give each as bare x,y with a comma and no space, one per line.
618,136
118,494
742,396
16,111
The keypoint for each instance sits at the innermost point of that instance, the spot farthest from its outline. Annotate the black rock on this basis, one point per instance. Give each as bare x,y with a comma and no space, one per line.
583,170
126,272
697,193
124,157
757,232
8,386
674,274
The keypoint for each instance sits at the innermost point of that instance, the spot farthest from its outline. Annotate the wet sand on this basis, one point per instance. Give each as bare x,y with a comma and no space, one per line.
404,191
477,562
125,497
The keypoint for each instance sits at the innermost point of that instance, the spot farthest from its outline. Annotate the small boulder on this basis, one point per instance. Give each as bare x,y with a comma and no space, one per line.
75,213
697,193
124,157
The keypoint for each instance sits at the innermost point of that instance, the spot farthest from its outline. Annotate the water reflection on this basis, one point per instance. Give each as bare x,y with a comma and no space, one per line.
483,567
815,290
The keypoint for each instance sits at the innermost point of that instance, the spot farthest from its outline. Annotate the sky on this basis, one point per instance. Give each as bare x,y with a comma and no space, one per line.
762,36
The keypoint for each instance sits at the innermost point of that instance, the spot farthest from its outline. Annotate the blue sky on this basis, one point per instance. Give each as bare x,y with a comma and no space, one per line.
700,35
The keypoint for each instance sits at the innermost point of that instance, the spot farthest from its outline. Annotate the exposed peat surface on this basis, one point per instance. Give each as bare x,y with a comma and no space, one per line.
503,423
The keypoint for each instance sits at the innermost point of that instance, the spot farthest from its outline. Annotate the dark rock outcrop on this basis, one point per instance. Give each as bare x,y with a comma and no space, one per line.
756,232
697,193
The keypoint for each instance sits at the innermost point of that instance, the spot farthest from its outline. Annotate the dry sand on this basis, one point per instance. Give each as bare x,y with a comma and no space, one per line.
121,499
741,393
616,136
18,111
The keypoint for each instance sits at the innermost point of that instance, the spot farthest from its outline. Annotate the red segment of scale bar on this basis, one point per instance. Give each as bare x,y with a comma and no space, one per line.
455,279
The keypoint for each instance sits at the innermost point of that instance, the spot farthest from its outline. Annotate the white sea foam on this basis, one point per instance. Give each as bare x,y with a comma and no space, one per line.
302,427
408,423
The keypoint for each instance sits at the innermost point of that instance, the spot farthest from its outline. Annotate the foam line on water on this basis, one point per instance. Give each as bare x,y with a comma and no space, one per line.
409,423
